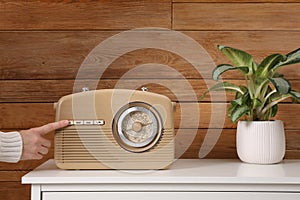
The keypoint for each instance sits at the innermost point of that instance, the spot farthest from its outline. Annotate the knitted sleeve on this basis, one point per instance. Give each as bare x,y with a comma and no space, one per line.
11,147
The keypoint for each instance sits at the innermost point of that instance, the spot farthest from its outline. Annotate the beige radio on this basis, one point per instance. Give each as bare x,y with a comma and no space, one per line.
115,129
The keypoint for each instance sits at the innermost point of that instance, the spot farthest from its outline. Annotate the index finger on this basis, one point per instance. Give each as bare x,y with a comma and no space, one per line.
51,127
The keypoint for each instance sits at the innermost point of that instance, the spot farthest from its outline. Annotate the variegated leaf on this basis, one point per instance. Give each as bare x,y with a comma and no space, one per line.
282,85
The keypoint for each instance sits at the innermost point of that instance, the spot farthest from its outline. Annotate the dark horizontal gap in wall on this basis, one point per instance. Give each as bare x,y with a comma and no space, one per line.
86,30
236,2
237,30
120,30
47,102
115,79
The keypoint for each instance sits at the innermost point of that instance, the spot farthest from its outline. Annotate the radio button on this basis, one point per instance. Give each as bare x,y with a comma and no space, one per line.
78,122
99,122
88,122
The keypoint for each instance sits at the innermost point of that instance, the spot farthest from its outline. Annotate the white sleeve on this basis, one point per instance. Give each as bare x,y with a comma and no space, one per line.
11,146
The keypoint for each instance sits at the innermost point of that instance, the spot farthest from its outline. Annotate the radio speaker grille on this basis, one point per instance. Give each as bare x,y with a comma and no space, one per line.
87,148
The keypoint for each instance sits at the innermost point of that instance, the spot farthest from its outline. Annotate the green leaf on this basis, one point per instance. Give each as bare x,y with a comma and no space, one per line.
277,75
282,85
238,112
295,94
243,99
220,69
291,58
231,108
237,57
243,89
226,86
268,63
279,97
256,103
275,98
274,110
254,65
238,95
223,86
239,101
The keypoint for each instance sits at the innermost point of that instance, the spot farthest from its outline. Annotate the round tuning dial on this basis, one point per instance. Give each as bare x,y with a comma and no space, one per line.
137,127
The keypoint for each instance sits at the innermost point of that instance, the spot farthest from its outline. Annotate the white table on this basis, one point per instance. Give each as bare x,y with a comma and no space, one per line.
208,179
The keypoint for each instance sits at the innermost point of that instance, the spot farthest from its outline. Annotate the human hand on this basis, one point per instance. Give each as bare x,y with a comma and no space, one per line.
34,144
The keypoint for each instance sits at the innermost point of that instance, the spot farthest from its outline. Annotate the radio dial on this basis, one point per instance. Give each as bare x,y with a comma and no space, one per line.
137,127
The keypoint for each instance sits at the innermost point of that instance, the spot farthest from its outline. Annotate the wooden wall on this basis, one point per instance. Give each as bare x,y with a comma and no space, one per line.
43,43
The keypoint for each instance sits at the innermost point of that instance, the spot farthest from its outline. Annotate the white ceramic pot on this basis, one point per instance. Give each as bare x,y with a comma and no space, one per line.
260,142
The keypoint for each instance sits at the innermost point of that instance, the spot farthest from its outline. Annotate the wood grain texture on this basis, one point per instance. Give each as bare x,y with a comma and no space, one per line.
189,90
236,16
77,15
12,176
23,166
27,115
58,55
14,191
226,144
51,90
259,44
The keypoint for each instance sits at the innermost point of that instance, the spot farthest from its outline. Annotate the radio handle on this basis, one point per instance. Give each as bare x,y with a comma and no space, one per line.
174,106
55,106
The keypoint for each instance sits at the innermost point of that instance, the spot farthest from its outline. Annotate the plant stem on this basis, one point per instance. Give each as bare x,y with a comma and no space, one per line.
260,88
265,100
273,103
250,85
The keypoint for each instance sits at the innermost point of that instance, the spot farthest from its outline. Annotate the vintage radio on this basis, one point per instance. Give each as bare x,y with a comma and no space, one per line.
115,129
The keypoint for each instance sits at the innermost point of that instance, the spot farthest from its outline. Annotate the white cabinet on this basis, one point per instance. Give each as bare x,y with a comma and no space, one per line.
168,196
185,180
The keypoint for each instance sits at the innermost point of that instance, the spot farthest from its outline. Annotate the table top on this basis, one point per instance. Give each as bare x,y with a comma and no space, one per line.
219,171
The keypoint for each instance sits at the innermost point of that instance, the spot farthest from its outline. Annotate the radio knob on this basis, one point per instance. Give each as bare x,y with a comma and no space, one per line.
85,89
137,126
144,89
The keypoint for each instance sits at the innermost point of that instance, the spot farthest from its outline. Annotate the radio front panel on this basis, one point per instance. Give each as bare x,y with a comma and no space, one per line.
103,134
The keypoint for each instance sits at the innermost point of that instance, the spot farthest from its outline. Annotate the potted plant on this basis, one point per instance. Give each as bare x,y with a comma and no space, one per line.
260,139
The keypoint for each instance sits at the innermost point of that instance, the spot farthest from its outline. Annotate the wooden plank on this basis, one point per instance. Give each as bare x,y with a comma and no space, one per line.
45,55
23,116
14,190
77,15
238,16
27,115
62,59
52,90
189,90
58,55
259,44
224,148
